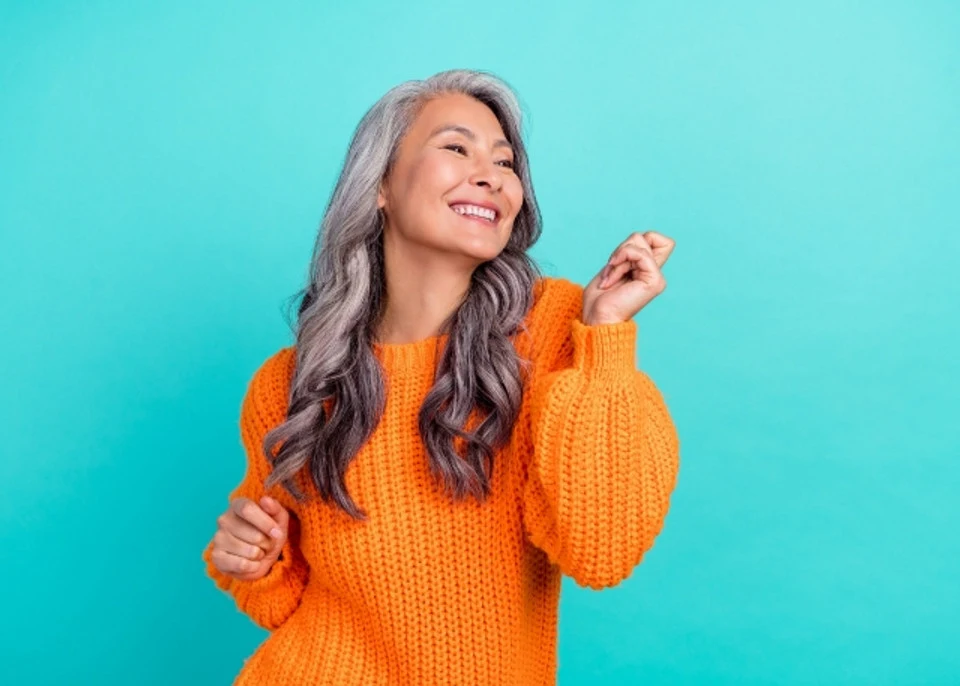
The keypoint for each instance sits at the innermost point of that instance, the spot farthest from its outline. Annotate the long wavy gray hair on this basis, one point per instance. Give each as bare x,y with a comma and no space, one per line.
337,395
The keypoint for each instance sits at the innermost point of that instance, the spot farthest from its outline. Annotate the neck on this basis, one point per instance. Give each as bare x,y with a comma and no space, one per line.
419,298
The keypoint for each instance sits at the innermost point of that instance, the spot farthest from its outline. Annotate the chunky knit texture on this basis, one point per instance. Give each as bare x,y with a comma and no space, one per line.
432,592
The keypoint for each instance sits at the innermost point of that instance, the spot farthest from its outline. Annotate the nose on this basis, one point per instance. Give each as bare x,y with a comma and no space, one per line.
487,174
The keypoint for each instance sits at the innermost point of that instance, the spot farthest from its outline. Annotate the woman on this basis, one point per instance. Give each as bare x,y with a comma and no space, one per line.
418,536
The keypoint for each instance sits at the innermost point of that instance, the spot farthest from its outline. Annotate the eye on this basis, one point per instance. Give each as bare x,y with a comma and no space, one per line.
450,146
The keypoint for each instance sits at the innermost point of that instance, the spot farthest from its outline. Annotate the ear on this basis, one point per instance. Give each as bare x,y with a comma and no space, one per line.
381,198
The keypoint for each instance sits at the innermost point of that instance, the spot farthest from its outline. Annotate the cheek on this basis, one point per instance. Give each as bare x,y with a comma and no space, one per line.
514,190
435,175
428,181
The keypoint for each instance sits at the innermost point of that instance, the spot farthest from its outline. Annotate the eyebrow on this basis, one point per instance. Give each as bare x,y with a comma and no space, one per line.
443,128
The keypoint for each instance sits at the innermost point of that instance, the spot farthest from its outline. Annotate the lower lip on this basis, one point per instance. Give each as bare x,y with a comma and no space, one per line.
475,218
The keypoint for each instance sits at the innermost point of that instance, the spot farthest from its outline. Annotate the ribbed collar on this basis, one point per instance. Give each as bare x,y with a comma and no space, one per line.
419,355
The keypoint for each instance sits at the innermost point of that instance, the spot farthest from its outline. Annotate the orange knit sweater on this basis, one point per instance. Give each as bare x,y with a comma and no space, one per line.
432,592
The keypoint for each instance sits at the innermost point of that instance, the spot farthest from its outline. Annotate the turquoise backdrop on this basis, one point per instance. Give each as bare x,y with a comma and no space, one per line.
164,168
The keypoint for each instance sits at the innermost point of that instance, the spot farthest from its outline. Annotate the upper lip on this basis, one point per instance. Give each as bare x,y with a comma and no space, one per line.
488,205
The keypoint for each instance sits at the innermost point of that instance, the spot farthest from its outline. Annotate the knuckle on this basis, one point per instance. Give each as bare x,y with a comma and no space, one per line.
247,510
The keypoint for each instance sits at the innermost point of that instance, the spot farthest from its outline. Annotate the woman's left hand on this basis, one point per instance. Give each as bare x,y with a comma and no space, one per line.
630,279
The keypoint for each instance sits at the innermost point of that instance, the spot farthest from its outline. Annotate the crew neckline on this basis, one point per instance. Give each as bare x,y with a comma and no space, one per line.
412,354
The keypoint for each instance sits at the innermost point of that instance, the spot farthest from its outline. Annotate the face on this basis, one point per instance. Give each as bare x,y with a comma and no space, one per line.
438,174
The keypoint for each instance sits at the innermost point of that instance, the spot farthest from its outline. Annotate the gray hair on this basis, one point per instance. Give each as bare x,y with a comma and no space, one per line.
479,370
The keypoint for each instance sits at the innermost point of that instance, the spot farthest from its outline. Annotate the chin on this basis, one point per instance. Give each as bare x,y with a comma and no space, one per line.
486,257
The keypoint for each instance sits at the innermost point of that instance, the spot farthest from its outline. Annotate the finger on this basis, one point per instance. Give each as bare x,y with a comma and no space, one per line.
609,274
615,273
229,563
636,240
244,531
646,275
661,246
631,260
248,510
277,511
645,268
226,541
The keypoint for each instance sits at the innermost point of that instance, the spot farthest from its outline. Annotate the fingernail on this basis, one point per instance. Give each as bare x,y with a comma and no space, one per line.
275,532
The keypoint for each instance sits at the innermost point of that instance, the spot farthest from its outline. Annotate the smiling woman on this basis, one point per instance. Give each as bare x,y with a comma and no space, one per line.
419,536
453,157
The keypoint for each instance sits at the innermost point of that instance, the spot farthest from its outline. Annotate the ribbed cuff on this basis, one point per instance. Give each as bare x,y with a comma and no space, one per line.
605,349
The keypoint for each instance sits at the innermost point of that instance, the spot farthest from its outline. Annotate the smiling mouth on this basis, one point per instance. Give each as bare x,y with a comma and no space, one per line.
476,218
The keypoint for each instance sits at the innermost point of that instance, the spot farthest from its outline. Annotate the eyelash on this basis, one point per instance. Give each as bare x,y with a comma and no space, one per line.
457,145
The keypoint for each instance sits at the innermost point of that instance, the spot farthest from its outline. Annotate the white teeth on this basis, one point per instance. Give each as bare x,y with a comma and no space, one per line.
477,211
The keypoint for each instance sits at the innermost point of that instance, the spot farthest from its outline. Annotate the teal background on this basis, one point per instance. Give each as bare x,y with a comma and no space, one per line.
164,169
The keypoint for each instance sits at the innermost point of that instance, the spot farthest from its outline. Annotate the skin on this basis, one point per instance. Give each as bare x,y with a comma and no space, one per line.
430,253
629,281
249,537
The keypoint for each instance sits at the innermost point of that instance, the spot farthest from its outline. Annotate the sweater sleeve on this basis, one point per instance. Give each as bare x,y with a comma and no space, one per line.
270,600
605,456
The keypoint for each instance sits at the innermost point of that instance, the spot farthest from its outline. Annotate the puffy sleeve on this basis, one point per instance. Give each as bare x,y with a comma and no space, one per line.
270,600
605,452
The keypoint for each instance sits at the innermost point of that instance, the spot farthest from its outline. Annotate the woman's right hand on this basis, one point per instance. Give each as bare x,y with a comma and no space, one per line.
249,537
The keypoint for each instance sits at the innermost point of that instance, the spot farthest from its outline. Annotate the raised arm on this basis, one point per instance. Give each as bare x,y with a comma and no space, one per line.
605,450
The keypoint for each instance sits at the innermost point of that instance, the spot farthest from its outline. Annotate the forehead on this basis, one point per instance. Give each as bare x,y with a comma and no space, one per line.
456,109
